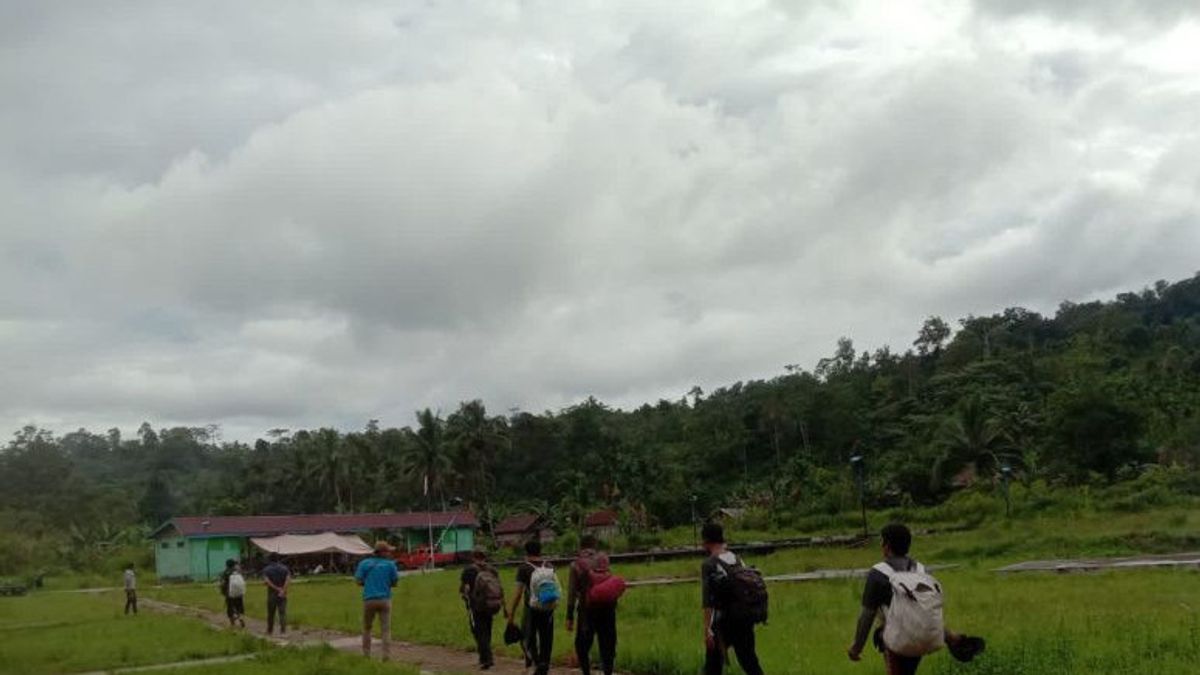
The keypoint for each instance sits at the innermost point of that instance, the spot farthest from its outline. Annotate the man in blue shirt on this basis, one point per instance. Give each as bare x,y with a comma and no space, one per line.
377,575
277,578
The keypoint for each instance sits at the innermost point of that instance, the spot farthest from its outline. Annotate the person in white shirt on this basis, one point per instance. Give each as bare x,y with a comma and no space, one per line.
130,590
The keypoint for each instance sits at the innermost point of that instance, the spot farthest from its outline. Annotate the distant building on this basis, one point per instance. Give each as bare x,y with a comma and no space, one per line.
728,515
603,524
196,547
518,529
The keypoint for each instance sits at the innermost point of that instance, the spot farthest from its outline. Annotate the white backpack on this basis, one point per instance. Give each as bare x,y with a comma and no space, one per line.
237,585
912,624
544,589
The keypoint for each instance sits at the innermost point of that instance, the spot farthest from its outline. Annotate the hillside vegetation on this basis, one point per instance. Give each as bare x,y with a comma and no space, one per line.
1100,401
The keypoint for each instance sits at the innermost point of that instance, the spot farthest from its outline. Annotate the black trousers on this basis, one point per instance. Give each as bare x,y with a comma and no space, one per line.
276,605
483,636
130,601
235,608
597,624
539,639
738,636
900,665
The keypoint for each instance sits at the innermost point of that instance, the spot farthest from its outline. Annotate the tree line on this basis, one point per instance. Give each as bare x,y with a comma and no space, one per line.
1097,392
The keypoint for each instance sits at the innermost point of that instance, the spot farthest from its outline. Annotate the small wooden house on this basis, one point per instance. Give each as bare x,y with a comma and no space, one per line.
604,524
518,529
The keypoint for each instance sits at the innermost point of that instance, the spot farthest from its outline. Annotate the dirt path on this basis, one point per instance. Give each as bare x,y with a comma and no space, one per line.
429,658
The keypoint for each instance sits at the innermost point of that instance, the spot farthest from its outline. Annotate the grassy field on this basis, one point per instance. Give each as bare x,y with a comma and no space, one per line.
72,632
77,632
1108,623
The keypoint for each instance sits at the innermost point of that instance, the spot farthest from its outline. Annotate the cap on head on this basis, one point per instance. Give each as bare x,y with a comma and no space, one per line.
382,546
712,533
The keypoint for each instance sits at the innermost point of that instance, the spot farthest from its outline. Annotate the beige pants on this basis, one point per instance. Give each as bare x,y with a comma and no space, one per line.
384,609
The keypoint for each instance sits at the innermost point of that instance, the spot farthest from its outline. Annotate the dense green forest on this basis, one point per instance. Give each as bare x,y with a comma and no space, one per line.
1097,394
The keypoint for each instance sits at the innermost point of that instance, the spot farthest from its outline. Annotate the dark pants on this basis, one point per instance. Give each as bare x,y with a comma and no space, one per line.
539,639
235,609
482,622
597,624
740,637
276,605
900,665
130,601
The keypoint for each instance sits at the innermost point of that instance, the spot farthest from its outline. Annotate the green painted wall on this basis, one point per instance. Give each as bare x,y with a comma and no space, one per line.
455,540
208,556
171,558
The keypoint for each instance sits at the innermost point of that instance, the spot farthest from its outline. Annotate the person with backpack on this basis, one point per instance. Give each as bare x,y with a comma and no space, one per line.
483,595
233,589
909,601
594,590
130,579
538,589
377,575
734,598
277,577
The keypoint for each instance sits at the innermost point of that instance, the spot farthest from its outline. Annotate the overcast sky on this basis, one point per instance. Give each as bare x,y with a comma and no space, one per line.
264,214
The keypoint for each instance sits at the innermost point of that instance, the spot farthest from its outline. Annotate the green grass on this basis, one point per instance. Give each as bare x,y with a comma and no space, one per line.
72,632
1040,624
310,661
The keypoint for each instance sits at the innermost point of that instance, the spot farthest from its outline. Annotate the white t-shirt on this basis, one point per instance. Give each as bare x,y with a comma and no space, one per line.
130,580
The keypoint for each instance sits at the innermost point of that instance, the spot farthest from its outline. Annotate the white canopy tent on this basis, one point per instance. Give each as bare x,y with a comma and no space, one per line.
303,544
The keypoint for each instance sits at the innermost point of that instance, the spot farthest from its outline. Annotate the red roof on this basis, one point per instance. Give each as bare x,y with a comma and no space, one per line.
603,518
518,524
246,526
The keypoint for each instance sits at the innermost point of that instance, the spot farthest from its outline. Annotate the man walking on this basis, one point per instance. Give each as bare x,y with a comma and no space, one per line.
481,590
723,628
130,590
377,575
233,589
896,540
277,578
537,622
596,622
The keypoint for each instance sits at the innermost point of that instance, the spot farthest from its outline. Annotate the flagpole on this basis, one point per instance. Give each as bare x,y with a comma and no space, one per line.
429,516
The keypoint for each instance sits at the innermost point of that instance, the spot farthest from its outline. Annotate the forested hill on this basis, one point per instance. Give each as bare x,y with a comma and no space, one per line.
1094,393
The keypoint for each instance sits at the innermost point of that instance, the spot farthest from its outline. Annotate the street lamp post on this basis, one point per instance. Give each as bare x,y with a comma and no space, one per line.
1006,475
860,468
695,525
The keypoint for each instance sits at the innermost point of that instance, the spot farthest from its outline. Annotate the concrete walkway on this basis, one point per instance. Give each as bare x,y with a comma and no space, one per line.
175,665
1094,564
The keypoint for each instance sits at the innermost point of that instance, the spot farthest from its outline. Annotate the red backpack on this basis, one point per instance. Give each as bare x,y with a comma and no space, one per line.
602,588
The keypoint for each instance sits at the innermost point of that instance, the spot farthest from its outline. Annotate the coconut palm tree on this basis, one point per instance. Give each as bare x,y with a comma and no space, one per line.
972,438
426,456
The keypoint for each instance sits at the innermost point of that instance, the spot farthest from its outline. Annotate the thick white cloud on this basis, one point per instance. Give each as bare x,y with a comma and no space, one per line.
284,215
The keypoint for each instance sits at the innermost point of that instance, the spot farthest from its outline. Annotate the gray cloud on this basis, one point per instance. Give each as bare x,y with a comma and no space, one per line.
271,216
1121,15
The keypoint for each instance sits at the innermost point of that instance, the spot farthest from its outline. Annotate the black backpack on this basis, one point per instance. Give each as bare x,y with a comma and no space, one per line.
744,592
487,596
